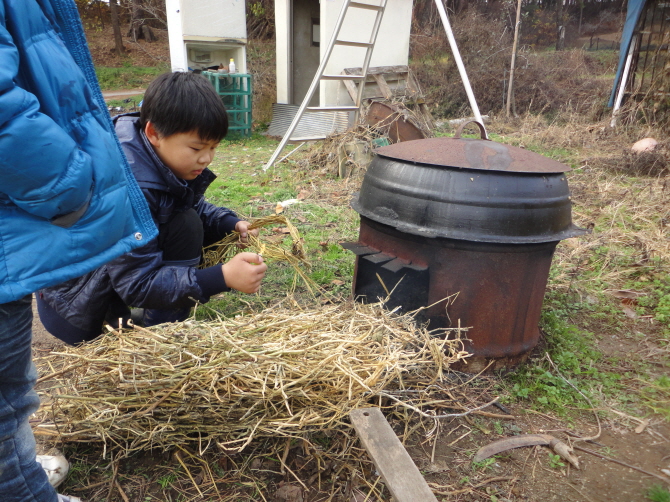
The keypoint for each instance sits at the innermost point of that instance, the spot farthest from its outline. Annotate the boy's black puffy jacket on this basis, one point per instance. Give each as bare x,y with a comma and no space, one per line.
140,278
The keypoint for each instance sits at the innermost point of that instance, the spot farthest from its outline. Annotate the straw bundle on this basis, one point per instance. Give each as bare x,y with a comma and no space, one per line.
296,257
277,372
226,248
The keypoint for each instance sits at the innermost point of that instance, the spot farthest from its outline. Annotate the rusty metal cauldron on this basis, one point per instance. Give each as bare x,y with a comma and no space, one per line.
467,219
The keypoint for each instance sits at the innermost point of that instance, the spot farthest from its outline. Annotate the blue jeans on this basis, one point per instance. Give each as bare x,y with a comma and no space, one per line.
22,479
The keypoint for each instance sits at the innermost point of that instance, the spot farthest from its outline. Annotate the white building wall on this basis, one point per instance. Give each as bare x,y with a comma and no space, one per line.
214,18
175,35
282,40
391,47
215,27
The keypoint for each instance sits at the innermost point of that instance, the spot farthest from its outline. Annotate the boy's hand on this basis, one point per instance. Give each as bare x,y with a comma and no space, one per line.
244,272
243,228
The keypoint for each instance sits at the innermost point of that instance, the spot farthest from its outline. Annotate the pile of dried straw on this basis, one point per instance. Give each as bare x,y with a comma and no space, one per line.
280,372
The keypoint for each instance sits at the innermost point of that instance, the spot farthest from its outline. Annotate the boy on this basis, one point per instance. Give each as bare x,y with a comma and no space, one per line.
68,204
169,144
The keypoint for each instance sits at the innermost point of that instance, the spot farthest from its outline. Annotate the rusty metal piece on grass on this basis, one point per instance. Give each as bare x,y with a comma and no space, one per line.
390,120
510,443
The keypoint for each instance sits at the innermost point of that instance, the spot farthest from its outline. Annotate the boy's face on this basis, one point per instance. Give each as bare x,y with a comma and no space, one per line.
185,153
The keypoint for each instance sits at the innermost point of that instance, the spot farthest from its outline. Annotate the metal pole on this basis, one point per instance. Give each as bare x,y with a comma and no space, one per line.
510,87
459,61
622,83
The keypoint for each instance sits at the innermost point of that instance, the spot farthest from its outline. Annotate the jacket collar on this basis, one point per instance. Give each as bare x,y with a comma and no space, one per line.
149,170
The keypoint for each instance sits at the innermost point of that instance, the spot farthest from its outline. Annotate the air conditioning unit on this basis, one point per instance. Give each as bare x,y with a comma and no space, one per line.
202,57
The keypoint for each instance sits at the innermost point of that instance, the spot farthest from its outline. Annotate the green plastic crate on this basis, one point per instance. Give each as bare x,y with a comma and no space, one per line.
235,90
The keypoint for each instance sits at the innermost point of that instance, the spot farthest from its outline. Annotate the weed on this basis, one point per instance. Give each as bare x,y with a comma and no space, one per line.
662,310
555,461
483,465
656,395
323,440
573,351
658,493
656,299
79,472
167,480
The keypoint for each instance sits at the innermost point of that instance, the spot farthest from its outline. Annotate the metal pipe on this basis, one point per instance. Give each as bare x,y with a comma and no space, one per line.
459,61
622,83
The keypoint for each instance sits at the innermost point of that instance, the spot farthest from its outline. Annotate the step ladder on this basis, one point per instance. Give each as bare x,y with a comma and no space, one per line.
319,76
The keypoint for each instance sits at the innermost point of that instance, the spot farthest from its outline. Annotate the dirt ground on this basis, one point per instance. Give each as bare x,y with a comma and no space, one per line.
528,474
523,474
140,53
43,341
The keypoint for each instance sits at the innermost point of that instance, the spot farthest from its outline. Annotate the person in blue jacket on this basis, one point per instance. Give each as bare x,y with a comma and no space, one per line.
169,145
68,204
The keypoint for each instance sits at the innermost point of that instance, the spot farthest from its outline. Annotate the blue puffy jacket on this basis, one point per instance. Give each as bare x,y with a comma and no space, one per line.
68,200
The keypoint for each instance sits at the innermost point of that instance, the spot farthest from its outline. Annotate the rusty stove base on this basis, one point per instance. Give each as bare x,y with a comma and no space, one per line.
496,290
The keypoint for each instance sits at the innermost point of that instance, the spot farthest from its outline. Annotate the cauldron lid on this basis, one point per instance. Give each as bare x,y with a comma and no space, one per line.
480,154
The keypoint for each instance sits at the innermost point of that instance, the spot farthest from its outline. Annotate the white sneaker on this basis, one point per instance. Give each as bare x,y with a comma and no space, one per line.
65,498
56,467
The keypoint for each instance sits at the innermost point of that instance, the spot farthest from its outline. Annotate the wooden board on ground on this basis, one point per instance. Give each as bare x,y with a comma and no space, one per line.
394,464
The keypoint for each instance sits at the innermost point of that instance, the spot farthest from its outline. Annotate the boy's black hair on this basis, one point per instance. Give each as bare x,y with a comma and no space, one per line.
183,102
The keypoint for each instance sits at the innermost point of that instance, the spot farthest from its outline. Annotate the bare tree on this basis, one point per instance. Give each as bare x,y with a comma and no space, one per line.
116,27
139,28
560,26
155,13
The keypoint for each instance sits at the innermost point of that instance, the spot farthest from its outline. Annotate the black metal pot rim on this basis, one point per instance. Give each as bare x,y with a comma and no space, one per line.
572,231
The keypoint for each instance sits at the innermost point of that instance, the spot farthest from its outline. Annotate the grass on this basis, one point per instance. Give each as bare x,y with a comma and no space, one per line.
574,352
323,217
124,105
658,493
586,304
127,76
167,480
579,311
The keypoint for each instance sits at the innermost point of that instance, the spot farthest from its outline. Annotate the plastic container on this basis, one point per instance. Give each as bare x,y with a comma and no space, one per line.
231,66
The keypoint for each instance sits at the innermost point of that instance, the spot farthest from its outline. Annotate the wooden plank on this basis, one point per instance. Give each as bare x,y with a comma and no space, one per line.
393,463
412,85
376,70
427,116
383,86
351,88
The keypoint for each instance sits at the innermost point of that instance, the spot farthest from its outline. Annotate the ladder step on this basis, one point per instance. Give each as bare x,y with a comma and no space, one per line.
367,6
342,77
350,108
307,138
353,44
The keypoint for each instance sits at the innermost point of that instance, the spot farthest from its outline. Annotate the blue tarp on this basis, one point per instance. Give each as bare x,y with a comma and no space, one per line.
635,8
